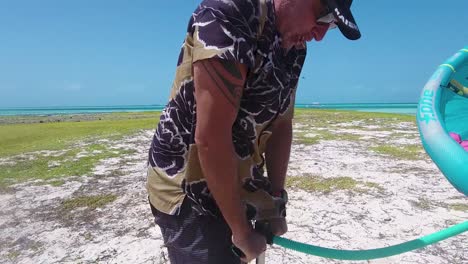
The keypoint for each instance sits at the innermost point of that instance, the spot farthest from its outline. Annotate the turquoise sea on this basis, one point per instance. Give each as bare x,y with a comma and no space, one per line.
396,108
44,111
407,108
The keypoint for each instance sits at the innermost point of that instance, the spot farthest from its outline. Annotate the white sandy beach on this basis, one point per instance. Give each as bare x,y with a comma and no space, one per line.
406,199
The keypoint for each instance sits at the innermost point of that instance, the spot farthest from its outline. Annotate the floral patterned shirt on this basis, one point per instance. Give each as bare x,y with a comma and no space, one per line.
243,31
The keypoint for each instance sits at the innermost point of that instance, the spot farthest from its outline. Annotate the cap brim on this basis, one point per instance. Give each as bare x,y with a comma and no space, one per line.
345,20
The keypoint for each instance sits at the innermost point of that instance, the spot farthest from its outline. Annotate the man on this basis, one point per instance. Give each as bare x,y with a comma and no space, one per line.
229,115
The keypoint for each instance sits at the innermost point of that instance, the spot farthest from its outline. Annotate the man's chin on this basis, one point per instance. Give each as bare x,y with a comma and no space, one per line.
288,44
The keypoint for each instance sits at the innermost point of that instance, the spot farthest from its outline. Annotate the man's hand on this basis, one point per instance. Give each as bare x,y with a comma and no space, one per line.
278,226
251,244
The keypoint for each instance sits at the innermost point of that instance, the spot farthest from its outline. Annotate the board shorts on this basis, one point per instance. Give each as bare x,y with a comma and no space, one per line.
192,238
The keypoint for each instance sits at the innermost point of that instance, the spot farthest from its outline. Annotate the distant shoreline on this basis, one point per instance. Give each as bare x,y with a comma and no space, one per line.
76,117
154,115
398,108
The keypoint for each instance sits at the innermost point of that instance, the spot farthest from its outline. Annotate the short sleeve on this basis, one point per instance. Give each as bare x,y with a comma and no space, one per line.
226,30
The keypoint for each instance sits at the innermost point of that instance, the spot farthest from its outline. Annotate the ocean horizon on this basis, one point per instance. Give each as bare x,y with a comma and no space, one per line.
399,108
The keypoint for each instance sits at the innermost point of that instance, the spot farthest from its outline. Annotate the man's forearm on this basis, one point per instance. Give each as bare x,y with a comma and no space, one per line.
219,165
277,154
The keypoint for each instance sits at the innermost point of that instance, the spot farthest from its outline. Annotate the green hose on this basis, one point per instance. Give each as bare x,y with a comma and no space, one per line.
372,253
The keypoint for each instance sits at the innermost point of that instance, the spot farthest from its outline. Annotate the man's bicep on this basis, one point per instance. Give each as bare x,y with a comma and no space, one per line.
218,88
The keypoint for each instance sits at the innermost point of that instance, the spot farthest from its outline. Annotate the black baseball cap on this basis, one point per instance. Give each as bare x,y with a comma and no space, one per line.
344,18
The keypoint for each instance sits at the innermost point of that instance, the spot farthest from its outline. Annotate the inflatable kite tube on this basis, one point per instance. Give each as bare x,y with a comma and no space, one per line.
442,119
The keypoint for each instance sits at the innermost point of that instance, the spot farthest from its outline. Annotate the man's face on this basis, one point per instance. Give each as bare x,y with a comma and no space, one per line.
297,21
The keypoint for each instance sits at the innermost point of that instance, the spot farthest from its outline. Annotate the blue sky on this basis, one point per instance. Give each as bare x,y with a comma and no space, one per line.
68,53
